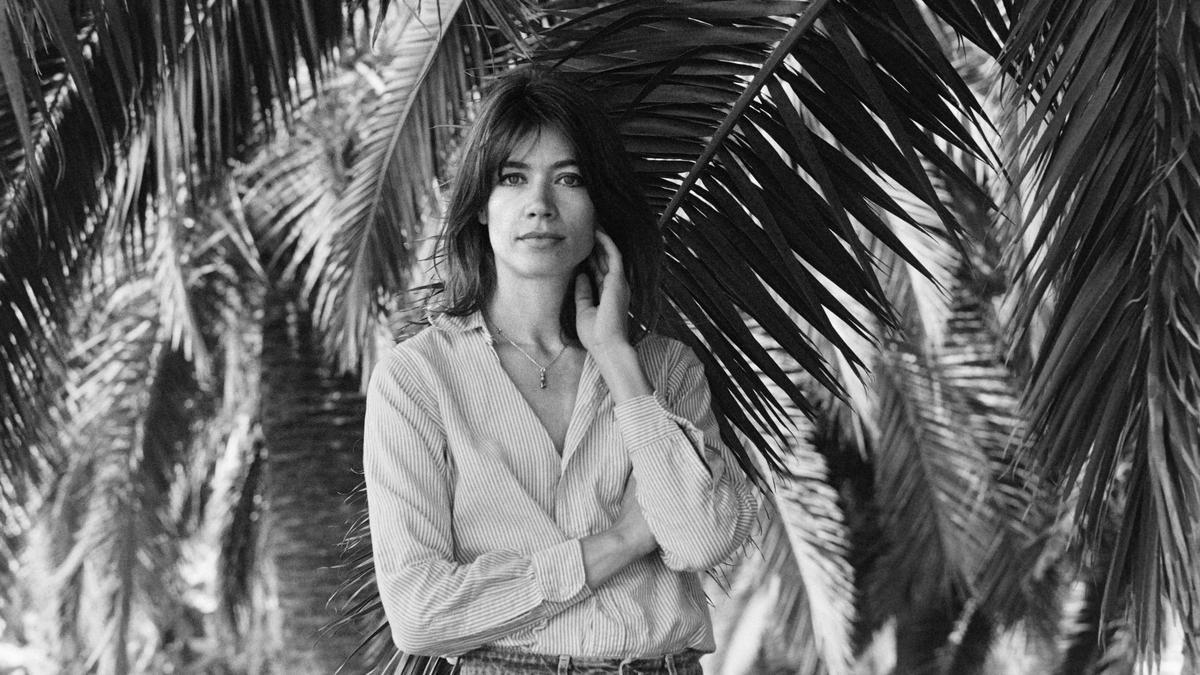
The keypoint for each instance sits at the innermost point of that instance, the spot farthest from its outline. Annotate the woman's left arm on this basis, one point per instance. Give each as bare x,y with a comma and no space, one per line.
695,499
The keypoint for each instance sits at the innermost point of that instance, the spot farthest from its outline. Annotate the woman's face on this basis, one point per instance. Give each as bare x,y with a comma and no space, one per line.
540,217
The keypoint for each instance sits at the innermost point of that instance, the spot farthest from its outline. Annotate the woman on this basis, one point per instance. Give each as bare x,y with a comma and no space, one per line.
545,476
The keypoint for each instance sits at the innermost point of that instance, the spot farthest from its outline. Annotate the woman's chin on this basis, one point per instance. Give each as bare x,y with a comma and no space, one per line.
547,273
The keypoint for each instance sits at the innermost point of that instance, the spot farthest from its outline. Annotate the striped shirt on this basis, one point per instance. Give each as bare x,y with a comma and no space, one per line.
476,519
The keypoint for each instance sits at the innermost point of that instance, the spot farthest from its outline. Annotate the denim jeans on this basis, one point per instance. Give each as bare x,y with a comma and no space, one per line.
492,661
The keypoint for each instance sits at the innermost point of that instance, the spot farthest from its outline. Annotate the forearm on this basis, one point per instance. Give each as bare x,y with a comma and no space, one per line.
698,519
609,552
622,372
442,607
697,503
698,508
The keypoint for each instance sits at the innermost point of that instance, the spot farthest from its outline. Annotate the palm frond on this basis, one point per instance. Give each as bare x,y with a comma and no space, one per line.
808,535
40,259
86,76
361,610
764,133
771,629
406,131
933,487
239,530
806,541
125,443
963,514
930,480
1093,646
1113,143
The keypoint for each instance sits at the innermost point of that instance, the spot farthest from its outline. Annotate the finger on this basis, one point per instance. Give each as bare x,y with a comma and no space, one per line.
595,276
598,259
583,291
593,263
612,254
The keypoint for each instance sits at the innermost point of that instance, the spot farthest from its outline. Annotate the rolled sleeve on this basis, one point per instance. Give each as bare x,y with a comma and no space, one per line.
644,421
699,506
560,572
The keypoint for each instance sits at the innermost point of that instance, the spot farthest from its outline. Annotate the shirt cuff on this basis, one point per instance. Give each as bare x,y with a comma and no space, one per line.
559,571
643,421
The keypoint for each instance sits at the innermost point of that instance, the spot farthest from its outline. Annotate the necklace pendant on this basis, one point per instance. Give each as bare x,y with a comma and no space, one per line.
542,379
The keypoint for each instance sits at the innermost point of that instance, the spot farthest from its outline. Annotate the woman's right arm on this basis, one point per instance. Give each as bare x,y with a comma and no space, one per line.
434,604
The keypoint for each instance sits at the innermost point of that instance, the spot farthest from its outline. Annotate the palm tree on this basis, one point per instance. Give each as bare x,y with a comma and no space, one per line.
109,105
770,136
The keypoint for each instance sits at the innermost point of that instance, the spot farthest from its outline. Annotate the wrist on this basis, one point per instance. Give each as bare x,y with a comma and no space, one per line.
622,372
637,541
617,349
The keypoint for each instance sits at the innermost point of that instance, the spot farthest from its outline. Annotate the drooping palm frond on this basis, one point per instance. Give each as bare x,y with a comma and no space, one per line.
110,519
1093,646
931,479
940,414
806,544
764,133
772,628
806,534
933,483
428,62
84,78
39,260
1113,141
119,531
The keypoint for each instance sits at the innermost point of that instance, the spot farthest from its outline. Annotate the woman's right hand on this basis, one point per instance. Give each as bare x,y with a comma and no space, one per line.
631,522
629,538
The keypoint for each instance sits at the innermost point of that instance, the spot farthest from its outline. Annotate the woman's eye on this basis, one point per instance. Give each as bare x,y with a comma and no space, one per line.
571,180
510,179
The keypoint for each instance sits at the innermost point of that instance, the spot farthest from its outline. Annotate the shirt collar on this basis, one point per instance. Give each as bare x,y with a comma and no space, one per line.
457,324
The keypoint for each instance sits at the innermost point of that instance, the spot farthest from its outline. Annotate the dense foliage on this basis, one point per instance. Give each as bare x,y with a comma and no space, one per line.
940,259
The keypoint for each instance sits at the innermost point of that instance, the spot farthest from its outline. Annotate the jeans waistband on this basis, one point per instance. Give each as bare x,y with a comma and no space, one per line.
685,662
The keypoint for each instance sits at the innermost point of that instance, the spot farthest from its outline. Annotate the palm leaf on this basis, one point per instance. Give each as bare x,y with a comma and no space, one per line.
731,106
1093,646
240,534
39,263
125,444
815,541
806,542
1112,142
771,627
86,76
405,135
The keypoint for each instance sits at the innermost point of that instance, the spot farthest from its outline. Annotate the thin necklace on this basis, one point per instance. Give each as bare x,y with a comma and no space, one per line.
542,374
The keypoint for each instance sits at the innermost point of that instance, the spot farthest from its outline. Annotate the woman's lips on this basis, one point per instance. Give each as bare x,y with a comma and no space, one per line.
541,239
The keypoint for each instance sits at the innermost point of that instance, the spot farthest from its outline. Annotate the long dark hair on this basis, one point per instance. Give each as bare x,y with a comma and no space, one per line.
519,104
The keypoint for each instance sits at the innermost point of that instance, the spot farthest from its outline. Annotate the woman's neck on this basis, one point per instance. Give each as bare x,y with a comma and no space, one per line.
528,314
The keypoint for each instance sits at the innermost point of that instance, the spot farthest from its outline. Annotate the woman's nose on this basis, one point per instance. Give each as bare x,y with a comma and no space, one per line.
541,201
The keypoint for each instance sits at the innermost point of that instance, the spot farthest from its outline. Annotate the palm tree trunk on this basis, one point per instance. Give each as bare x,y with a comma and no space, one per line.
312,424
971,653
920,635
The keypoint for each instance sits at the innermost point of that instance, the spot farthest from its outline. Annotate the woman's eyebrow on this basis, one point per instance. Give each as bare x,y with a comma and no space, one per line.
513,164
